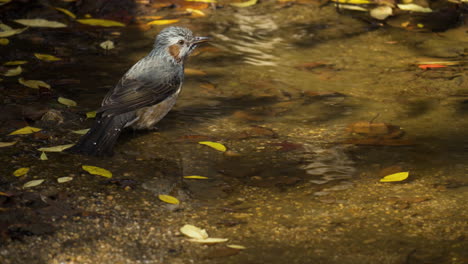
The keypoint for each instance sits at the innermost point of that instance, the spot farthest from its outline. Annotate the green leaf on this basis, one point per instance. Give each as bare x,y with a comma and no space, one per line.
13,72
25,130
400,176
43,156
46,57
64,179
97,171
20,172
58,148
100,22
33,183
67,102
7,144
39,22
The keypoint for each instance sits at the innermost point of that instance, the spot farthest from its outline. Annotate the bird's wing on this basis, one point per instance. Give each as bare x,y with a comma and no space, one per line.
132,94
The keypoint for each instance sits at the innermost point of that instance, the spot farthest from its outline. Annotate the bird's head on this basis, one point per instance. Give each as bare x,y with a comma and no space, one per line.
177,42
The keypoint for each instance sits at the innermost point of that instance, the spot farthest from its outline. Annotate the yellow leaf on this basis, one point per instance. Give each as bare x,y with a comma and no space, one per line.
7,144
107,45
97,171
203,1
414,8
35,84
163,22
39,22
148,17
245,4
4,27
4,2
353,2
13,72
235,246
168,199
43,156
400,176
20,172
66,12
217,146
195,12
10,63
196,177
58,148
194,232
46,57
81,131
210,240
67,102
91,114
25,130
64,179
33,183
4,41
88,16
194,72
11,32
100,22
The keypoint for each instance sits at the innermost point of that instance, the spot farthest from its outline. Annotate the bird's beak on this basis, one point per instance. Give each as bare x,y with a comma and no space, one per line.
199,40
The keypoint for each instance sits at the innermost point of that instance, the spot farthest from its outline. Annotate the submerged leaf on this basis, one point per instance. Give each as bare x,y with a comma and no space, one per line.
354,2
4,41
39,22
194,232
20,172
107,45
64,179
43,156
245,4
414,8
81,131
210,240
100,22
35,84
236,246
13,72
25,130
168,199
194,72
7,144
203,1
195,12
400,176
58,148
163,22
66,12
11,63
97,171
33,183
46,57
215,145
11,32
196,177
91,114
67,102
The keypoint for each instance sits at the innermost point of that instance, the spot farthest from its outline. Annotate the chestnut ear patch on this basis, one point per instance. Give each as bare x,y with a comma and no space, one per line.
174,50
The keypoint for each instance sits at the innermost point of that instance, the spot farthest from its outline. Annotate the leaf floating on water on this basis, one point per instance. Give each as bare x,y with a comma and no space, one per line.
13,72
11,32
11,63
33,183
196,177
39,22
43,156
35,84
59,148
414,8
7,144
97,171
163,22
194,232
64,179
400,176
20,172
168,199
107,45
4,41
245,4
46,57
100,22
25,130
66,12
67,102
91,114
81,131
210,240
235,246
215,145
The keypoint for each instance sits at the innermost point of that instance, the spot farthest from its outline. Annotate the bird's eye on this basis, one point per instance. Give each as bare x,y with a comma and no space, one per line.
181,42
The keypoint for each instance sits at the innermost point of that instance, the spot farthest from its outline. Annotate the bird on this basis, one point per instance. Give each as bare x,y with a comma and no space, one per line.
144,94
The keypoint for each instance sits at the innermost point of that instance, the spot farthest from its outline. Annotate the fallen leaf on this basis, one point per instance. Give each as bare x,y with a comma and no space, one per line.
20,172
33,183
210,240
163,22
58,148
39,22
196,177
354,2
46,57
431,66
67,102
194,232
107,45
81,131
215,145
414,8
244,4
35,84
381,12
4,2
11,32
97,171
400,176
195,12
100,22
13,72
91,114
5,194
66,12
43,156
350,7
203,1
25,130
235,246
4,27
148,17
194,72
168,199
4,41
7,144
11,63
64,179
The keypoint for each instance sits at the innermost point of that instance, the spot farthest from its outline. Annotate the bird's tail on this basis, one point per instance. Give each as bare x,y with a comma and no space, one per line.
101,138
